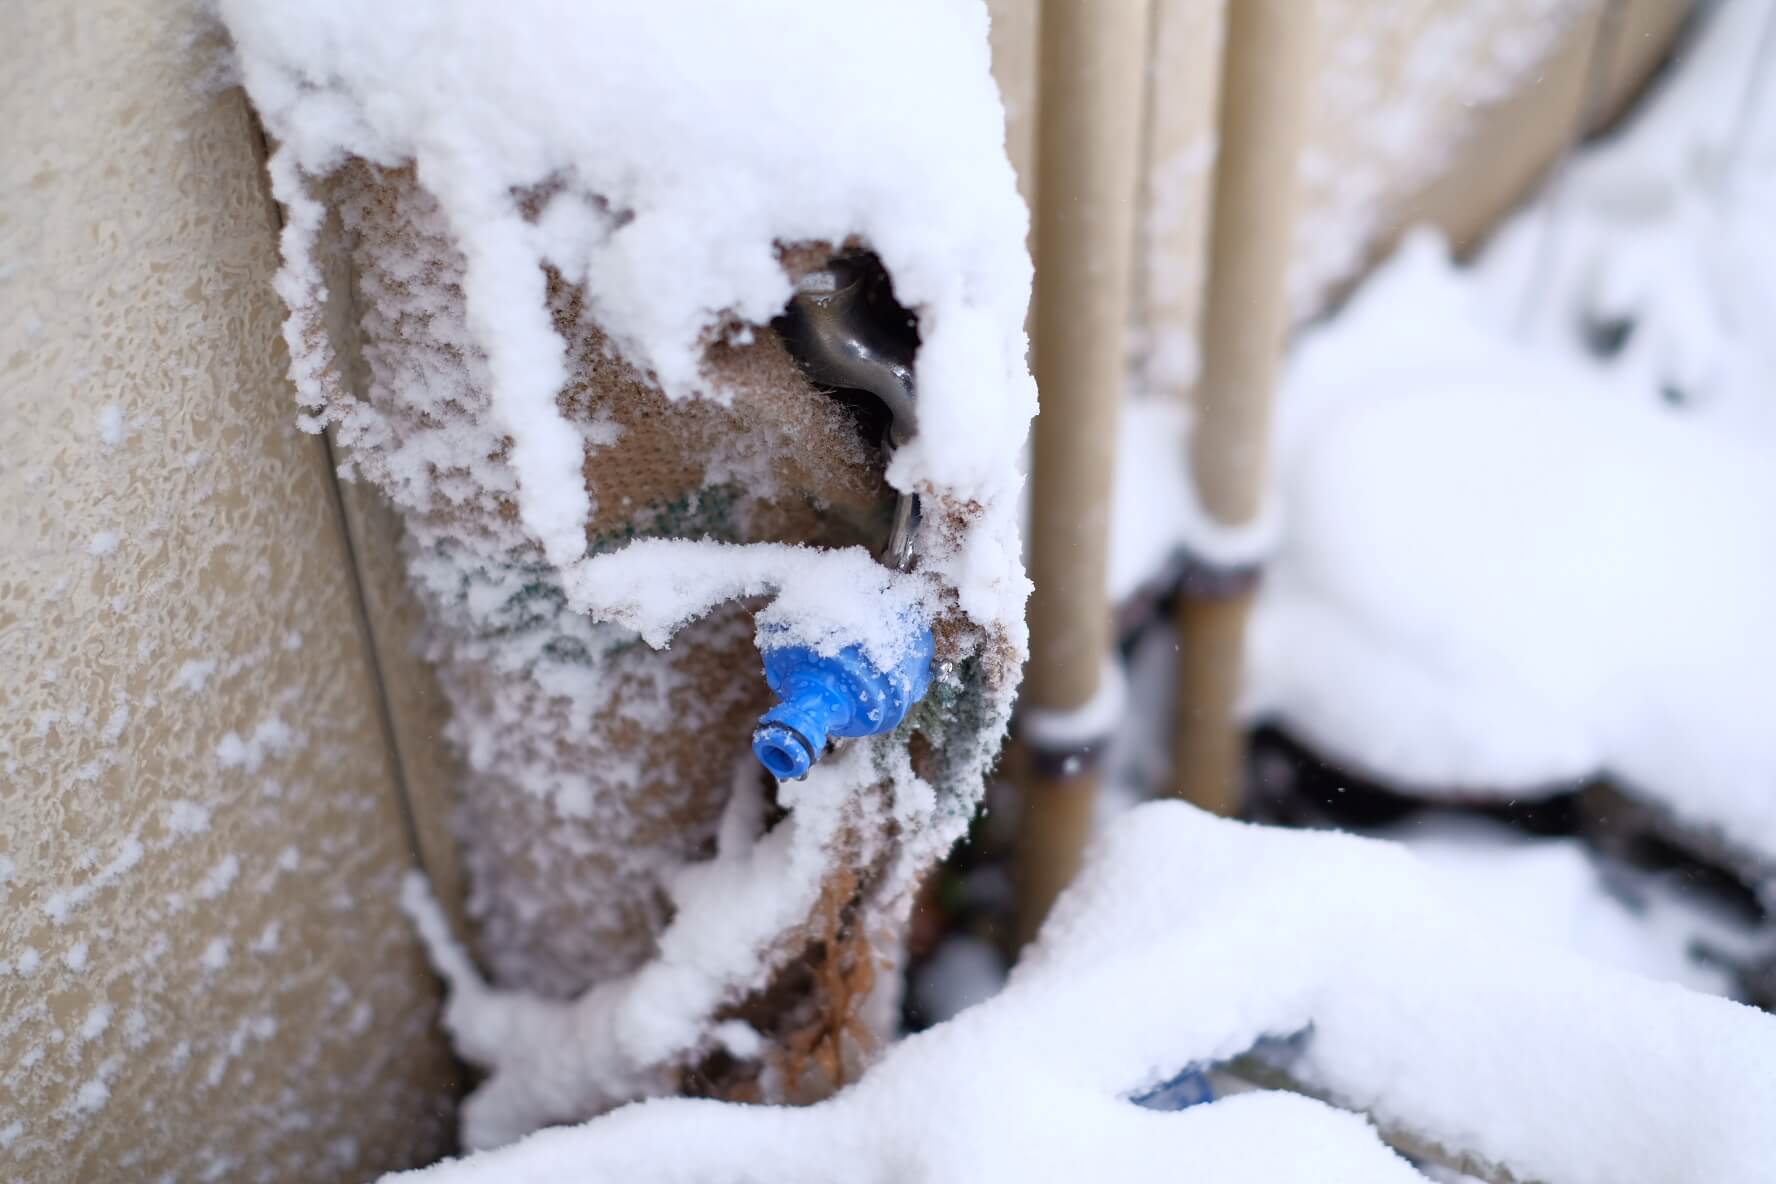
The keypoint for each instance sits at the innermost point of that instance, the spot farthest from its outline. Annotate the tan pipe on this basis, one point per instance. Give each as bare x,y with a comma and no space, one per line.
1093,62
1266,68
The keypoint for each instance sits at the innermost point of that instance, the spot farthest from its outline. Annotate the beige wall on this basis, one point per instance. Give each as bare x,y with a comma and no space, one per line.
202,968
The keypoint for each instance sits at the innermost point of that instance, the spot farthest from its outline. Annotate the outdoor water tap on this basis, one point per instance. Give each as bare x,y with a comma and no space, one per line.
847,332
844,695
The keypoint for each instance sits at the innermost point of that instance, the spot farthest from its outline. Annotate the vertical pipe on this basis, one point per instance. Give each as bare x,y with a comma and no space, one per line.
1093,57
1265,75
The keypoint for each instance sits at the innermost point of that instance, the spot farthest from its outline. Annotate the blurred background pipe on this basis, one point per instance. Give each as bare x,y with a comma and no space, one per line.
1267,69
1093,67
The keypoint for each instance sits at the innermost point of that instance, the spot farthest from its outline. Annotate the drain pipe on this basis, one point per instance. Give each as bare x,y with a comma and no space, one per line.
1267,68
1093,70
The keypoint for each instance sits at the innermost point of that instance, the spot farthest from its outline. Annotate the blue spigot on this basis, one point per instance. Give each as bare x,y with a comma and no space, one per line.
844,694
845,329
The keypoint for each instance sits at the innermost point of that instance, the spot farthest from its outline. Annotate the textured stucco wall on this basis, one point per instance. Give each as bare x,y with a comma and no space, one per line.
203,972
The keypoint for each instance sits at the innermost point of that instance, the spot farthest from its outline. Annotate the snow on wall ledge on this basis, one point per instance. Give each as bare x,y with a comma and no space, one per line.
1185,940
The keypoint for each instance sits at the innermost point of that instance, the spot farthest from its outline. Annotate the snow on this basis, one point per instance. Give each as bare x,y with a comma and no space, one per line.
1498,564
1400,99
102,543
187,818
92,1096
739,1039
704,150
1499,575
115,724
61,905
1662,229
1186,940
659,159
268,940
1158,516
95,1023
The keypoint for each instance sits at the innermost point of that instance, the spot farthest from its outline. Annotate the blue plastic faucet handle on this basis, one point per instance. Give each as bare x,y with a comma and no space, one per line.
842,694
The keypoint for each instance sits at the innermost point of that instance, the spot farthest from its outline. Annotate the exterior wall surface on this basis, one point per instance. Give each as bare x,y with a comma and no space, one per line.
203,970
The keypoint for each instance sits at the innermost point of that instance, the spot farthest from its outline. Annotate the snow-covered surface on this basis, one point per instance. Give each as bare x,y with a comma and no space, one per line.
1555,892
1091,722
717,135
1508,558
1185,941
826,600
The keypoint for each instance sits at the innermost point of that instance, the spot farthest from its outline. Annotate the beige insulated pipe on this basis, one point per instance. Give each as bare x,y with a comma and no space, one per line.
1093,62
1265,75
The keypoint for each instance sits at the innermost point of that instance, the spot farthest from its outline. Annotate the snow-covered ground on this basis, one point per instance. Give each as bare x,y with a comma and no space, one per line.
1185,941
